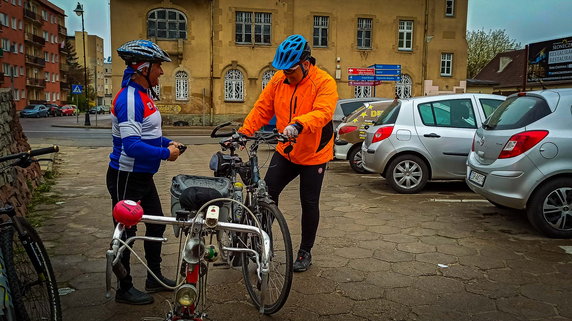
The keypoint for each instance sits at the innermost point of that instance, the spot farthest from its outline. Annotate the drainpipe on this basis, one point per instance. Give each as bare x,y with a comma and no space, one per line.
211,80
425,44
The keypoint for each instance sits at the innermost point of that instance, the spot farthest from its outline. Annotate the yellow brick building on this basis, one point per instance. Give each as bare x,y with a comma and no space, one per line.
222,49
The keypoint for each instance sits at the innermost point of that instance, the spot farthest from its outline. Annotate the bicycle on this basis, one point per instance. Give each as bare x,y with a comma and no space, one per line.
205,208
29,271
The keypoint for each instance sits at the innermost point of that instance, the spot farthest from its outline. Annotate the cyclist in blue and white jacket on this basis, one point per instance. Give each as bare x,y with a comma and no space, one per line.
138,149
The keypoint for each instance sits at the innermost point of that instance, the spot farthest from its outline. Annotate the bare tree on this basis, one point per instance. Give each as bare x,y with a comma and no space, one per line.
484,46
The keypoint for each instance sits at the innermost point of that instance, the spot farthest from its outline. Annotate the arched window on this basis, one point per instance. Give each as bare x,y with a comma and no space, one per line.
157,90
181,85
362,91
266,76
166,24
403,87
234,85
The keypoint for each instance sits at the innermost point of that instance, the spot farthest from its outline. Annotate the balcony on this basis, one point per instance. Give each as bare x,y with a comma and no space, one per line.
30,15
62,31
34,39
35,82
36,61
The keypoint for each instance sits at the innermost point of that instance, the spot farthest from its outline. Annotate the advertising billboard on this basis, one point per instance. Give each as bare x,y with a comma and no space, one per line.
550,60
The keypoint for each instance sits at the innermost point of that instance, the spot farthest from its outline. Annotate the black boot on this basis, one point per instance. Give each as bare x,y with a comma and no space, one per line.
132,296
152,285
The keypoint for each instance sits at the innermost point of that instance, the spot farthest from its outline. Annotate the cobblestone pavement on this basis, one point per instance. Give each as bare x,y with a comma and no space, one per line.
444,254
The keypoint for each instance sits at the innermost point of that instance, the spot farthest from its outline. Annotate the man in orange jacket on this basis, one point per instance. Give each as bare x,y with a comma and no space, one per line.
303,98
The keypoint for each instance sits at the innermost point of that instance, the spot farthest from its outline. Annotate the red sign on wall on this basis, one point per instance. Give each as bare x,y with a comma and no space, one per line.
361,71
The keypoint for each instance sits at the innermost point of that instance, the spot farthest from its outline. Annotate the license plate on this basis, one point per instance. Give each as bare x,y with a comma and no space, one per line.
477,178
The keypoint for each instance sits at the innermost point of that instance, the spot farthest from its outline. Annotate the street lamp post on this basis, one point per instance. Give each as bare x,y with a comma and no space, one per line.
79,11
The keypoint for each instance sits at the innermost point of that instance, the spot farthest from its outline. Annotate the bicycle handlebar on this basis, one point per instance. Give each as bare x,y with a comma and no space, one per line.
239,136
30,153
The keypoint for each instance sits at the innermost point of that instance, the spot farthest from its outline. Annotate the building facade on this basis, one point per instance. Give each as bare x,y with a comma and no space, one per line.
31,35
12,59
222,49
107,87
94,61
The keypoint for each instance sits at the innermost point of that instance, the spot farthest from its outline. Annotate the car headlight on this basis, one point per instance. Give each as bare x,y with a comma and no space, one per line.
186,295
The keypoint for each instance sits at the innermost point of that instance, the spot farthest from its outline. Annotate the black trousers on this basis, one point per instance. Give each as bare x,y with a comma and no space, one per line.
138,187
280,173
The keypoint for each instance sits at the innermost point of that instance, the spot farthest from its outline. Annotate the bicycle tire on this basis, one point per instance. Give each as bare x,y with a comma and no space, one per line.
36,294
280,274
8,312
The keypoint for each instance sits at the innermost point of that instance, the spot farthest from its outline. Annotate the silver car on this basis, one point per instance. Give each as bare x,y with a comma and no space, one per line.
522,159
422,138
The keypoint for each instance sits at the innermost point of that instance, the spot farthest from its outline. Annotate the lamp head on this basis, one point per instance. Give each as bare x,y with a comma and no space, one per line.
79,9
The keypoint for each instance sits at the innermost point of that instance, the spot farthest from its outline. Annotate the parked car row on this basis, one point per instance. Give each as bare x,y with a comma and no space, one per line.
516,151
46,110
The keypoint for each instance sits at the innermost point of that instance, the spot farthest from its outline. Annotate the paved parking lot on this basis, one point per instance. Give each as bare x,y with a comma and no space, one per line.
444,254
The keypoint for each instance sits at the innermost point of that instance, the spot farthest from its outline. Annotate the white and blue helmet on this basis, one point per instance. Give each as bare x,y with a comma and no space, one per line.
142,51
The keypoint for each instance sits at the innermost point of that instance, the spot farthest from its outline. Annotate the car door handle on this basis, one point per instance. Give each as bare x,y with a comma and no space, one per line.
432,135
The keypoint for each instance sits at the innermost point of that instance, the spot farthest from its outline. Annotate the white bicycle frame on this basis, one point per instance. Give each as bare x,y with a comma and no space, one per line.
196,224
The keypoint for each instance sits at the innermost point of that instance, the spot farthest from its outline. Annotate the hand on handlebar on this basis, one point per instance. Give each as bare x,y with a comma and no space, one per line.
236,140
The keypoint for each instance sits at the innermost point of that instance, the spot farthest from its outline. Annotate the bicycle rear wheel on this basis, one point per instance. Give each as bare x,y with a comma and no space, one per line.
7,312
279,279
31,276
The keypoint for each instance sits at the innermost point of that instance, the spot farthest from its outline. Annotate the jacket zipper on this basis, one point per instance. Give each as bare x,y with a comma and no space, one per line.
291,98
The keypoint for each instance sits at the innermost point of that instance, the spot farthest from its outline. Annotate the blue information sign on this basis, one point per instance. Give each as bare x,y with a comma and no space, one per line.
77,89
388,72
362,77
388,78
380,66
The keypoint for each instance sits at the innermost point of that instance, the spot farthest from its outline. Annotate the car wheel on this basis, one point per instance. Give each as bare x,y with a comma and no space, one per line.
550,208
356,160
407,174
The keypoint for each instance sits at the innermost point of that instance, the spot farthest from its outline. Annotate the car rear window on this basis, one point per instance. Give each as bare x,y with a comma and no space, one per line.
517,112
348,108
490,105
389,115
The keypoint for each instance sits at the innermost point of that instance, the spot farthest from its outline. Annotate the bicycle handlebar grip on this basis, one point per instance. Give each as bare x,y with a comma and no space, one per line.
42,151
215,130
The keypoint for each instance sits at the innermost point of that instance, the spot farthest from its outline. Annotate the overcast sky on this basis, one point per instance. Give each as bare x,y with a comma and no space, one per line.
525,21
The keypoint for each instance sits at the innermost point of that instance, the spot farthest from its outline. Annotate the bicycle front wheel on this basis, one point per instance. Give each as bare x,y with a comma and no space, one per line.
31,276
276,288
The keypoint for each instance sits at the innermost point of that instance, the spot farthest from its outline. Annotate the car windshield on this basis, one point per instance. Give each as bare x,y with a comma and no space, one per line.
517,112
389,115
30,107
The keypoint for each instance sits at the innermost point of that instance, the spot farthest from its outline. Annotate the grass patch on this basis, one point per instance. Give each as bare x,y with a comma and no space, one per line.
43,195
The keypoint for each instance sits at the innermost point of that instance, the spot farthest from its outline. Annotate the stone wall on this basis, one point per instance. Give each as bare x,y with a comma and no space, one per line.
16,184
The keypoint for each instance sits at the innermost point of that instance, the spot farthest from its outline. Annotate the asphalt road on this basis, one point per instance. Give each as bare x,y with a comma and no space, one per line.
50,131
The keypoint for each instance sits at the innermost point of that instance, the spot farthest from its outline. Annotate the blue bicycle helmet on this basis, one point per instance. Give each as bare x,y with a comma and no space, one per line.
142,51
290,52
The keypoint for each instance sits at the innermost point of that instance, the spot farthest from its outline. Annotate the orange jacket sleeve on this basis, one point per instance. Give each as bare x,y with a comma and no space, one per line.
262,112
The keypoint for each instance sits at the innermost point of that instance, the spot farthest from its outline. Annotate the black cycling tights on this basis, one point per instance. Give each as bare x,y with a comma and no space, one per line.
138,187
281,172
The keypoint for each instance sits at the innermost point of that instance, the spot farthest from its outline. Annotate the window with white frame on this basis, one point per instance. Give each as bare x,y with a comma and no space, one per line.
47,96
181,85
246,26
157,90
449,8
4,19
321,31
266,76
364,33
234,85
167,24
405,39
363,91
23,93
14,23
446,64
403,87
